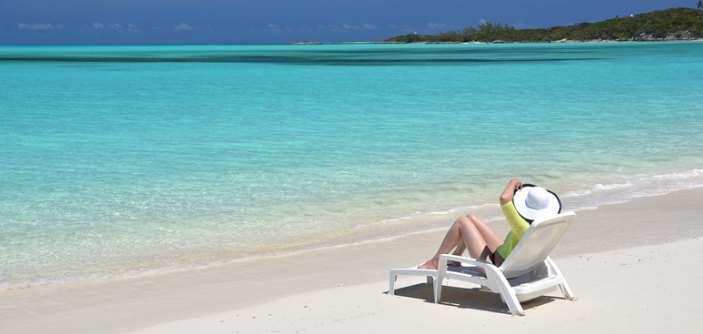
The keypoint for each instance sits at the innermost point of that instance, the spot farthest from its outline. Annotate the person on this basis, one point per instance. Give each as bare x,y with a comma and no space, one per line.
473,234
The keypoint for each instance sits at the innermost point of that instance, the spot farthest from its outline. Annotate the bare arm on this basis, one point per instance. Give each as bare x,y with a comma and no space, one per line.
509,190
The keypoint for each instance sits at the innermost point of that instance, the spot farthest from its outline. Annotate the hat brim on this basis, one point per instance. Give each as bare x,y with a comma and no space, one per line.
519,201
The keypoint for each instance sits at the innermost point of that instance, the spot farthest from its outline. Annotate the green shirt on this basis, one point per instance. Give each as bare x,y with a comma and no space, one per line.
518,227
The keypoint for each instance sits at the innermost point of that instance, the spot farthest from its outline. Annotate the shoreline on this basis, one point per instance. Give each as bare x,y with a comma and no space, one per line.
385,230
129,304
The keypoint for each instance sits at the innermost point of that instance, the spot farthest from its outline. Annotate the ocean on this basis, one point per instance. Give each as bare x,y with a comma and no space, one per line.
130,160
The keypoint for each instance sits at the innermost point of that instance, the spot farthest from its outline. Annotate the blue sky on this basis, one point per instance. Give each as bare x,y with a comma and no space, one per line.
280,21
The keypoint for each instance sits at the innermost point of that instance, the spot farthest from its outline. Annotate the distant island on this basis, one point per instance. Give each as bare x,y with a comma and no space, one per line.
669,24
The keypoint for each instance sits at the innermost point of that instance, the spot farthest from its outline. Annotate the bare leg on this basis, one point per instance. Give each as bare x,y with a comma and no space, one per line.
488,234
451,240
460,248
473,240
463,230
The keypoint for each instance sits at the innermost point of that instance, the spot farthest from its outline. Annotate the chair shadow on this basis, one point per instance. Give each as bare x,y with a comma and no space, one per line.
468,298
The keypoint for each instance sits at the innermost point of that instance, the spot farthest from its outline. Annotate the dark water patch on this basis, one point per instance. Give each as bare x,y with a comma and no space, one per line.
292,60
367,56
424,51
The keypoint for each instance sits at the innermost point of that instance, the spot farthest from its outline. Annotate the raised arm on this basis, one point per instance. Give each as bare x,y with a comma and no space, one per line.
518,225
509,190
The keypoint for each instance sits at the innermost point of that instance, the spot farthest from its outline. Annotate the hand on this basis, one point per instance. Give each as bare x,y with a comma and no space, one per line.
509,190
517,184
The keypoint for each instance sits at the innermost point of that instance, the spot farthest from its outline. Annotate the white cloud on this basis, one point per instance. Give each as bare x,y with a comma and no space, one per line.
356,27
345,27
132,28
39,26
337,28
182,27
274,28
434,26
116,27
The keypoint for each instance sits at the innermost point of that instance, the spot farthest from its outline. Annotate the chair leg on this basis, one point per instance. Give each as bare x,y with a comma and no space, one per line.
501,285
513,303
391,284
566,290
441,271
437,289
563,286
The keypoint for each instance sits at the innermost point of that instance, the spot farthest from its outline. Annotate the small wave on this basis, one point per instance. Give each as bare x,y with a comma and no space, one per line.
597,188
693,173
613,186
438,213
634,187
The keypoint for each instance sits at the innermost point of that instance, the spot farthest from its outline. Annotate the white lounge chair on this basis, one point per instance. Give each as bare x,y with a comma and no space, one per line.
526,274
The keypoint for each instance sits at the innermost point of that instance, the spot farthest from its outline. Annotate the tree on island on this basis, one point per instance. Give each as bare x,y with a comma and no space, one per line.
674,23
700,5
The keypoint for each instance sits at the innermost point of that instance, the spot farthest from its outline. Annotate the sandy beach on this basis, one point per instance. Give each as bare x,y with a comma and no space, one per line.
191,168
639,289
632,265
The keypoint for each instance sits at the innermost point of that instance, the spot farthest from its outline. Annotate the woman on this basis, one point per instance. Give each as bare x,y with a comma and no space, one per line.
472,234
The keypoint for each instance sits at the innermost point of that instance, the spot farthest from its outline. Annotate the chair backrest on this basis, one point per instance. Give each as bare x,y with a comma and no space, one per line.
534,247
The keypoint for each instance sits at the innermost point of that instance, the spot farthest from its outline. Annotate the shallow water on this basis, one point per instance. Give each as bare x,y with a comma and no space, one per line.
133,158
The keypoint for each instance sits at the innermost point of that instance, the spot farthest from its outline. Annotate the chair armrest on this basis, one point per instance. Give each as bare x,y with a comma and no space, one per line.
462,259
445,258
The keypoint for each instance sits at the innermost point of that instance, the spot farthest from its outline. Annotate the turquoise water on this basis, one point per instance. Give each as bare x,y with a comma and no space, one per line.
133,158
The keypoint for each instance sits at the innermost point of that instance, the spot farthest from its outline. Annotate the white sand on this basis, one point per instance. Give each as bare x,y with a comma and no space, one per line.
649,289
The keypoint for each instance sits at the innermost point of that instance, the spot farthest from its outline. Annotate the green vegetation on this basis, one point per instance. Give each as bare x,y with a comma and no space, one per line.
669,24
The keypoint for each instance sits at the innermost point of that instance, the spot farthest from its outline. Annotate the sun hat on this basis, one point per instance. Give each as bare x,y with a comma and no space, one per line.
533,202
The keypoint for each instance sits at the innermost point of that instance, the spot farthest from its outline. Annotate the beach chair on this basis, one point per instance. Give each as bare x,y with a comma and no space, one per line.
526,274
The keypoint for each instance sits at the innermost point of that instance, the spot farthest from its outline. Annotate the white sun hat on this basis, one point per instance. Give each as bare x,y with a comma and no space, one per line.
533,202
